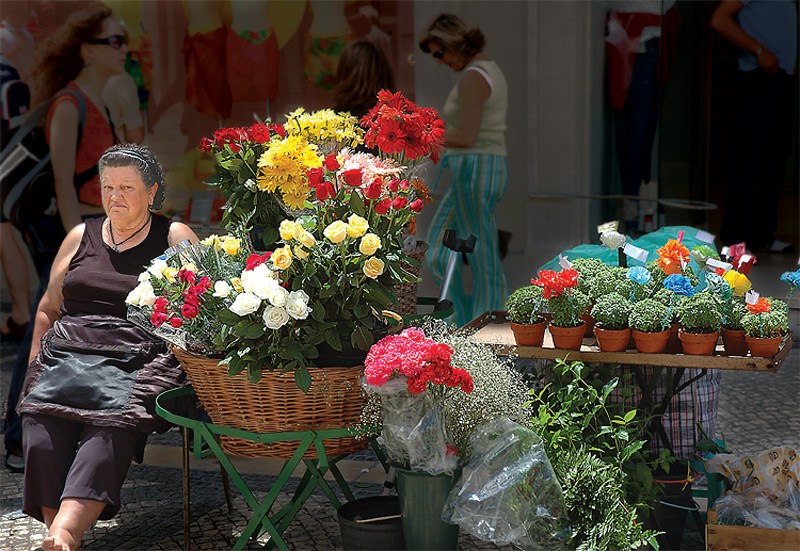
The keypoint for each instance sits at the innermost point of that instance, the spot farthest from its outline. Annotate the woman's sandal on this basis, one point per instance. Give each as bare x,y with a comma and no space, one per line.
13,330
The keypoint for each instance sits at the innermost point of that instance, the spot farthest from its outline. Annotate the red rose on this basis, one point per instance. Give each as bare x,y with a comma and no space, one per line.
416,205
158,318
331,163
324,191
176,322
278,129
206,144
404,184
192,300
352,177
374,190
399,203
382,207
258,133
394,185
161,304
186,276
189,311
315,176
256,260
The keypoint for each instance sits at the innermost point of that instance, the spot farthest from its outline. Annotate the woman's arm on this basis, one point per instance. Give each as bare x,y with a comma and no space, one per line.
473,91
180,232
723,20
48,311
63,149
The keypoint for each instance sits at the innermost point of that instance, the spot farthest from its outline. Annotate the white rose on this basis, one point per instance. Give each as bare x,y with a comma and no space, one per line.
275,317
157,267
148,295
297,305
245,303
277,296
134,296
221,289
144,276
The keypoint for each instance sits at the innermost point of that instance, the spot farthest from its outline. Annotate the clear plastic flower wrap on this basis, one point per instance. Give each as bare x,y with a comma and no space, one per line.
780,511
508,492
413,429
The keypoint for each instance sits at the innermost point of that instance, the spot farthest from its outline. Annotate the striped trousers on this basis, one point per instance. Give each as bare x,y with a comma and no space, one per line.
477,183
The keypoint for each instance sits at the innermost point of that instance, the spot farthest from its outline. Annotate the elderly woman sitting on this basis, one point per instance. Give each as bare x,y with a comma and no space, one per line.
89,398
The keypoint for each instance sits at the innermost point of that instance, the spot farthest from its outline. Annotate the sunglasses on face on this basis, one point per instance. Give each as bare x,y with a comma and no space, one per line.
438,54
116,41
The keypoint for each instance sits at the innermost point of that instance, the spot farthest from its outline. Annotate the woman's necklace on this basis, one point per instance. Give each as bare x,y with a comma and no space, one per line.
116,245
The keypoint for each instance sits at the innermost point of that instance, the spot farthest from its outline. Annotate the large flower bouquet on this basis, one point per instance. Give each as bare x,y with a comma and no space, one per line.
333,264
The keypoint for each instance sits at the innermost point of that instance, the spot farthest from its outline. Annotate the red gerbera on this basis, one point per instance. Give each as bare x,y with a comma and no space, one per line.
391,137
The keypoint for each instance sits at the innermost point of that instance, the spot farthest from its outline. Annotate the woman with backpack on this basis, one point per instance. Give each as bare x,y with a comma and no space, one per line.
73,65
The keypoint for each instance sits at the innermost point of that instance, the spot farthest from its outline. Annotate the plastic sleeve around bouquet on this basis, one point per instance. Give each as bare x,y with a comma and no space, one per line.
172,335
413,433
508,492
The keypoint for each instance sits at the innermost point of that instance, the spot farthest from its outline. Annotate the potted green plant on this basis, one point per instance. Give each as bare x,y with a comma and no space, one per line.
588,269
567,305
733,334
764,325
611,316
701,319
649,323
524,308
668,298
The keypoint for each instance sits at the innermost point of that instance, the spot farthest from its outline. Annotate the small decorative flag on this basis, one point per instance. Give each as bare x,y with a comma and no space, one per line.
705,237
751,297
564,263
635,252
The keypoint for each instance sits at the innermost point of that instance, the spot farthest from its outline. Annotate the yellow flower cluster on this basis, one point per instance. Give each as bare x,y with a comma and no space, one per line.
283,168
355,227
325,126
292,230
227,243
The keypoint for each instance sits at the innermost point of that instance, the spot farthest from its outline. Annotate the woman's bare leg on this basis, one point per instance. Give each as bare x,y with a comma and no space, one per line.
74,517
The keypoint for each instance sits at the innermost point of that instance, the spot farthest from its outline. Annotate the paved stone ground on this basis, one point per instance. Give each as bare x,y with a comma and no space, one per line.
757,411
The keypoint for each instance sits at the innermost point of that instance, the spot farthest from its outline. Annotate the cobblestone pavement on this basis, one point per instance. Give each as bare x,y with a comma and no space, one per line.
757,411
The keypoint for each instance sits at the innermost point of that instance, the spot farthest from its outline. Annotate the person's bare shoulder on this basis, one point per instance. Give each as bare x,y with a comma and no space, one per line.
178,231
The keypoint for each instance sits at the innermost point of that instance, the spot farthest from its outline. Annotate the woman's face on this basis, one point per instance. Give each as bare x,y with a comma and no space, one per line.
444,56
125,197
107,58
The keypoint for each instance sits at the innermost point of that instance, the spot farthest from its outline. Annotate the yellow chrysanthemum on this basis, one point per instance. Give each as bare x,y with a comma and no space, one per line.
283,168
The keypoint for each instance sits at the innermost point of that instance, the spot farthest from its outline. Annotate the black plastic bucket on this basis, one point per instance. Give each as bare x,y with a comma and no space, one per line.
361,533
671,509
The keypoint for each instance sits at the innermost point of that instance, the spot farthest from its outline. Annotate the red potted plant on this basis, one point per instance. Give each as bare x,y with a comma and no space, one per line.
567,305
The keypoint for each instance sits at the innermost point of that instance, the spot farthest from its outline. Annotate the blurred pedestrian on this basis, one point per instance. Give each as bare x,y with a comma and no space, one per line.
475,112
362,72
766,32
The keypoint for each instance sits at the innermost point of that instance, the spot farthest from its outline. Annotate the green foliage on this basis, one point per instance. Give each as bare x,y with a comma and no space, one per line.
613,280
649,316
599,516
701,253
733,310
657,275
668,298
568,307
593,444
587,269
611,311
525,304
700,313
766,324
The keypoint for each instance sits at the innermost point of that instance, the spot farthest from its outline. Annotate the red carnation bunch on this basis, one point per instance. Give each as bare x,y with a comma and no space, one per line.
762,306
412,355
400,128
236,138
555,283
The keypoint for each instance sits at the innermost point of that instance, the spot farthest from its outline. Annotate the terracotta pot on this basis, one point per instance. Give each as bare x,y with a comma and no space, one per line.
612,340
568,338
698,344
763,348
650,343
735,343
674,343
529,335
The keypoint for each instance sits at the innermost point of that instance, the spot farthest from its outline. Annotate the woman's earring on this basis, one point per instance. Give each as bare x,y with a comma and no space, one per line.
88,64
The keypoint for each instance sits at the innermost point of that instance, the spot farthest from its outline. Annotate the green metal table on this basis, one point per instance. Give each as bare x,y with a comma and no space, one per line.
276,523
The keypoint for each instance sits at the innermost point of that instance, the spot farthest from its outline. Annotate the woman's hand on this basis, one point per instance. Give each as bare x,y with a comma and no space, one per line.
473,91
48,311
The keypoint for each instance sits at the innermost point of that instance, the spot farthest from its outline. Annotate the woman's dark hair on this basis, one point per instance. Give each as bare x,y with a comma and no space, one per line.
362,72
141,158
452,33
58,60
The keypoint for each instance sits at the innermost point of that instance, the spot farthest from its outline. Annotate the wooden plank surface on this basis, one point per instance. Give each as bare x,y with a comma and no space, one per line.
493,329
721,537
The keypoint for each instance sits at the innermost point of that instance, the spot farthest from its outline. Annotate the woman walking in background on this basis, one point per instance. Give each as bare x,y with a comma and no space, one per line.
475,112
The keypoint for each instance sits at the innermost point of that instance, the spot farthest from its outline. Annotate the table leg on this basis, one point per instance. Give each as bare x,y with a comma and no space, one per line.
186,500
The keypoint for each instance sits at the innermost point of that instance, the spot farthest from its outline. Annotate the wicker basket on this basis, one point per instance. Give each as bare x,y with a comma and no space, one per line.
406,293
275,404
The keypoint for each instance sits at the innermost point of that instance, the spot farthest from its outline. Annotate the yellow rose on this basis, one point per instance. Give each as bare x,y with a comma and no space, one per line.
190,267
336,231
282,258
288,229
356,226
300,252
738,282
373,267
209,240
369,244
237,284
170,274
307,239
231,246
